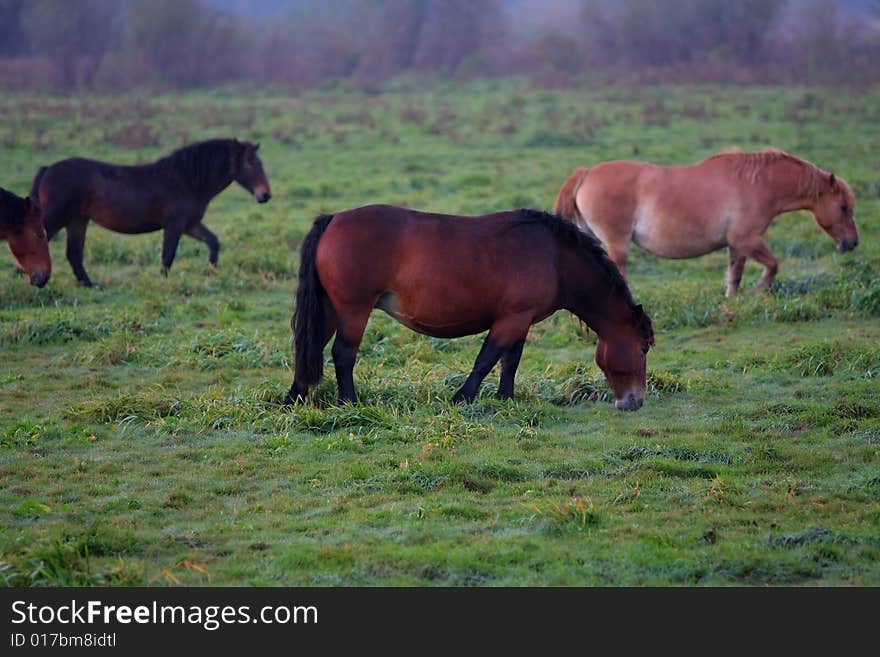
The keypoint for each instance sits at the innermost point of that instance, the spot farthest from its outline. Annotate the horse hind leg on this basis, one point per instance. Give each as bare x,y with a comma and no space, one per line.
619,256
735,268
349,333
53,221
617,245
76,239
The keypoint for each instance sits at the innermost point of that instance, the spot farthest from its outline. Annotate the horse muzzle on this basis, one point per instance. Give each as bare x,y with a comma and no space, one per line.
39,278
262,195
848,245
630,403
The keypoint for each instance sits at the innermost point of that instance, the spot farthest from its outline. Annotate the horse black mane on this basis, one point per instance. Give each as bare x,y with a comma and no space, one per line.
11,210
205,166
592,247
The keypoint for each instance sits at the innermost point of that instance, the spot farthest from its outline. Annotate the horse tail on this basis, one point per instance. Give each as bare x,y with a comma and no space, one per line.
35,186
308,317
566,204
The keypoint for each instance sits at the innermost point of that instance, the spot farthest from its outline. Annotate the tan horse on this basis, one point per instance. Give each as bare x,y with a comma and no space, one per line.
727,200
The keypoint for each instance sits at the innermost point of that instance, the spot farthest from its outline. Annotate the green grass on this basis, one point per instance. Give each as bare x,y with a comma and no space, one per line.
142,439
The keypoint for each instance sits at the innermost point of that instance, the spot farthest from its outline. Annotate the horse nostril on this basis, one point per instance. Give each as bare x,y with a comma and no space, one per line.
631,403
39,279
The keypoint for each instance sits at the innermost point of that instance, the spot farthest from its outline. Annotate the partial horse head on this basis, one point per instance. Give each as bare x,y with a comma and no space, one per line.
24,232
835,210
248,171
622,356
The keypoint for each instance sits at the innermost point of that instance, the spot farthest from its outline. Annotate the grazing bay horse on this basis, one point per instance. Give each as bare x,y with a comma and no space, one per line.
170,194
727,200
22,228
449,276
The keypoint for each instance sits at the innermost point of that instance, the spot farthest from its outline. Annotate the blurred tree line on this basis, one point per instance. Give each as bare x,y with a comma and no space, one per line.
118,44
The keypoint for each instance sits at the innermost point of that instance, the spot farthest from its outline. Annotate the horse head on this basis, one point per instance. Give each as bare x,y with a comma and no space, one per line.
248,171
835,209
29,246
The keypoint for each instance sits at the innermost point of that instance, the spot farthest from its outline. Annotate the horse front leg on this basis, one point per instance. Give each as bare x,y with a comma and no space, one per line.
201,233
170,240
762,254
505,335
509,363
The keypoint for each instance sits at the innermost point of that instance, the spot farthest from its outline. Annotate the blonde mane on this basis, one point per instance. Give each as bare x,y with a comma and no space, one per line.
752,167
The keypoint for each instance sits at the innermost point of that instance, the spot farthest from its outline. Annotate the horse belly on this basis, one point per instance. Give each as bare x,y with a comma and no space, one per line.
434,323
683,236
124,217
120,206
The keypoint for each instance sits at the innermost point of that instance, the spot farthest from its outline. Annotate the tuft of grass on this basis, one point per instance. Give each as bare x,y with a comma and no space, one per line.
573,514
70,561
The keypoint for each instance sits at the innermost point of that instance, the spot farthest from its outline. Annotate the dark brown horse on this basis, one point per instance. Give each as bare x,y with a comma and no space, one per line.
449,276
170,194
22,228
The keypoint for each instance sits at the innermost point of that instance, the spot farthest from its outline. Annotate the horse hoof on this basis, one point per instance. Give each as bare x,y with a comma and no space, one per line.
296,395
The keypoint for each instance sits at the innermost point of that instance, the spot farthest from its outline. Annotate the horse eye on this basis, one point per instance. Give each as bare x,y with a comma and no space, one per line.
645,350
844,208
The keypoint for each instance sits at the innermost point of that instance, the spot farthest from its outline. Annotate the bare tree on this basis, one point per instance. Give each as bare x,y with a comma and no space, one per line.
13,39
184,43
70,31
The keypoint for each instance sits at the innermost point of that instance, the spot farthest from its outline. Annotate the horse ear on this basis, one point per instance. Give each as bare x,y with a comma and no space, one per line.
256,147
832,181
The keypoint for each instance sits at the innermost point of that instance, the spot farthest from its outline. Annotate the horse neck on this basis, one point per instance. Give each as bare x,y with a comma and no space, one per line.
203,190
787,186
589,293
209,190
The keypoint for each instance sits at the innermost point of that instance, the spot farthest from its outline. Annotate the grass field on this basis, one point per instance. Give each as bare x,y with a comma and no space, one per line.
141,436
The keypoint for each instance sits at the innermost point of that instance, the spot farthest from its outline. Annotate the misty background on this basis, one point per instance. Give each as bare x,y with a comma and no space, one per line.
117,45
